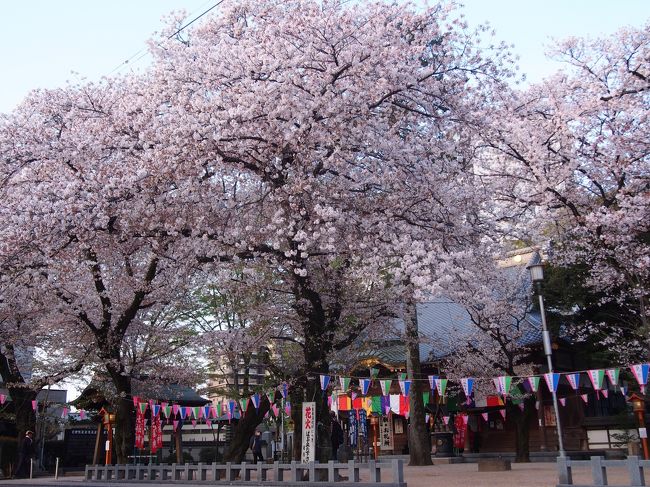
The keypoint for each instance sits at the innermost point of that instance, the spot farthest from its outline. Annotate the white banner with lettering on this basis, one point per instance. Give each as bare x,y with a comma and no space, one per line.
308,432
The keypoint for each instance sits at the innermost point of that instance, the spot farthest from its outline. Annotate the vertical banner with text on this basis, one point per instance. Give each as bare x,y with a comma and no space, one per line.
308,432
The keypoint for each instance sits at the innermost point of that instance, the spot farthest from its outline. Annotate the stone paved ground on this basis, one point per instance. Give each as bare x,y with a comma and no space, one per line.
458,475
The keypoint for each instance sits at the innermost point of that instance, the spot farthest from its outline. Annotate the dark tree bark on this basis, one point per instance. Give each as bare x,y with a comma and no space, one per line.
418,437
124,415
522,430
244,430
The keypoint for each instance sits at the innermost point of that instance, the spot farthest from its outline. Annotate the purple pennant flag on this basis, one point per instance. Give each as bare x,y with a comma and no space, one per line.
353,395
385,404
365,386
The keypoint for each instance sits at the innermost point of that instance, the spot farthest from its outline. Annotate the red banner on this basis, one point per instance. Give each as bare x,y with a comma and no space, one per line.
461,430
139,429
156,435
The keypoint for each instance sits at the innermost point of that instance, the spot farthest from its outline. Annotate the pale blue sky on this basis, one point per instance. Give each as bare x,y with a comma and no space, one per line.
43,41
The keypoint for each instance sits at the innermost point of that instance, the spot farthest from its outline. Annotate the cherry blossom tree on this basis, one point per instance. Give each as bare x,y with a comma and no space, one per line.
497,338
571,155
348,130
77,206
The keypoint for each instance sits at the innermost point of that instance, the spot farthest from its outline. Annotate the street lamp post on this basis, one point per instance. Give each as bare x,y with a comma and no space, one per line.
638,405
537,276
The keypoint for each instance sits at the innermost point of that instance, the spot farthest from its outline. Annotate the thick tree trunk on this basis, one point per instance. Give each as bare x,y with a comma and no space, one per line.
296,398
124,439
522,430
244,430
25,415
418,436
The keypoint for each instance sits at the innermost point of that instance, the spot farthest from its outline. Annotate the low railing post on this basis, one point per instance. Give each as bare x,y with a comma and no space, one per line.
635,471
564,471
398,472
598,471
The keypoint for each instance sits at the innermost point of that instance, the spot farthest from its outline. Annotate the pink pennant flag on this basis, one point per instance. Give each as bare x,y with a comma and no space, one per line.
445,419
503,413
585,398
175,408
537,405
485,416
136,401
353,395
465,419
3,398
208,422
34,405
605,393
64,413
521,406
329,401
82,414
175,422
194,423
562,400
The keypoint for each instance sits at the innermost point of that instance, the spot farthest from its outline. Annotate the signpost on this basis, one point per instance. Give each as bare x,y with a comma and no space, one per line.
308,432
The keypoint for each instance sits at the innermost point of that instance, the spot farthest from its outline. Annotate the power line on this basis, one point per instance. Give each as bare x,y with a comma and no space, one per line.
143,52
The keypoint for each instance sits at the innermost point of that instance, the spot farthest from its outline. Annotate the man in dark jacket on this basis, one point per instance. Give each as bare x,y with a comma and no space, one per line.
337,435
25,455
256,446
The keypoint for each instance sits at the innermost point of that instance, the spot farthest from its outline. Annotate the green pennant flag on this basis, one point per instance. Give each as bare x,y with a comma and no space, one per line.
143,407
376,404
402,376
345,383
441,385
385,386
195,412
167,411
374,373
425,397
219,410
243,404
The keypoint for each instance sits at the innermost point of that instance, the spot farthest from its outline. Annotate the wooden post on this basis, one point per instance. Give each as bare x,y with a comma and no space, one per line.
178,436
98,442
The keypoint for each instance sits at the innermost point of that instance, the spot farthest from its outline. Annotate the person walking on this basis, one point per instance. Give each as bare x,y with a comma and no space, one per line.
256,446
25,455
336,436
